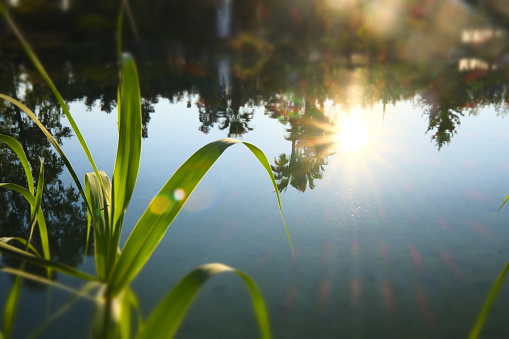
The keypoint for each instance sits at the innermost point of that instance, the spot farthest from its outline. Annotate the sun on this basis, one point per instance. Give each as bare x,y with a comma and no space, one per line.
353,134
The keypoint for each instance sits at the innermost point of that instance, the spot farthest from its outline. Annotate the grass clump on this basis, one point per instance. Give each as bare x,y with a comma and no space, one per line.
107,201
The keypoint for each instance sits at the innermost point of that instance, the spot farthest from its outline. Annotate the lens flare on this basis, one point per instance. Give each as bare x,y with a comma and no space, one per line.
159,204
179,194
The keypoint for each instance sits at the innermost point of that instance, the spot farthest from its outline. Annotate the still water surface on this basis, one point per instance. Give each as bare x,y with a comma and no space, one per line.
396,238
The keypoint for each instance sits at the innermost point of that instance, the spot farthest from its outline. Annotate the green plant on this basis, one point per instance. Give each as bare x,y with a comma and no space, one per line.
490,298
107,200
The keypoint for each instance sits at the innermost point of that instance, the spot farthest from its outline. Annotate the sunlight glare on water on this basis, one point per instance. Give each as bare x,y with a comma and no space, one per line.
353,135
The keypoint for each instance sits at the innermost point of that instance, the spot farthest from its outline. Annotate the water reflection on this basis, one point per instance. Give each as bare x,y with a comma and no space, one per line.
296,64
353,134
312,99
64,211
311,134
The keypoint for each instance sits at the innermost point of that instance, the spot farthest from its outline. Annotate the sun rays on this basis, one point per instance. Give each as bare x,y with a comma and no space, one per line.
353,134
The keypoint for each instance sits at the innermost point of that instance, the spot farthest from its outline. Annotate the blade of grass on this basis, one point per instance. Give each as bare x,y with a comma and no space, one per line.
130,17
40,68
20,152
506,200
50,138
20,189
163,209
127,161
488,302
39,215
23,242
11,307
100,217
265,163
12,303
83,292
43,231
120,24
49,282
124,7
23,255
78,294
167,316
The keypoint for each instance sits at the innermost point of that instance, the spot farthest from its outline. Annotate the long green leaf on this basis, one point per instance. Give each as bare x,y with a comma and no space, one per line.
38,65
163,209
265,163
23,255
12,303
120,21
83,292
11,307
79,293
127,161
39,215
506,200
100,217
23,242
20,152
43,230
167,316
50,138
488,302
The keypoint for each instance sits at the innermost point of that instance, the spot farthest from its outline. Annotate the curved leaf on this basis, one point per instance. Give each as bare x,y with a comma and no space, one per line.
23,255
167,316
40,216
20,152
100,217
488,302
23,242
43,230
20,189
506,199
40,68
50,138
163,209
11,307
83,292
127,161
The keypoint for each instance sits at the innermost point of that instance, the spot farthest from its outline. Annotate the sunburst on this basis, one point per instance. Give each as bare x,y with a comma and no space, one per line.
353,134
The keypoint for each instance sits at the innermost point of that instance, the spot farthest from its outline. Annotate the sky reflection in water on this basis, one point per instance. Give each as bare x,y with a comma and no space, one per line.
390,169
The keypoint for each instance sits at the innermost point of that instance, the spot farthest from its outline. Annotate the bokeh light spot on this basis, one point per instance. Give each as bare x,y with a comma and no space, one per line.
179,194
160,204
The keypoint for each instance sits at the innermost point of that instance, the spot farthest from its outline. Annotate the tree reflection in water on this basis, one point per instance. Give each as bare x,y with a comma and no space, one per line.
64,212
311,135
289,59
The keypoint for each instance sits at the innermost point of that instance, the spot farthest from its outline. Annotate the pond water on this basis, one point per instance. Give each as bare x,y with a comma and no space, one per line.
391,172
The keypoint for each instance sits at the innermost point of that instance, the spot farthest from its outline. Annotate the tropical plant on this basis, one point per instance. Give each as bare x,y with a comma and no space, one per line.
107,201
